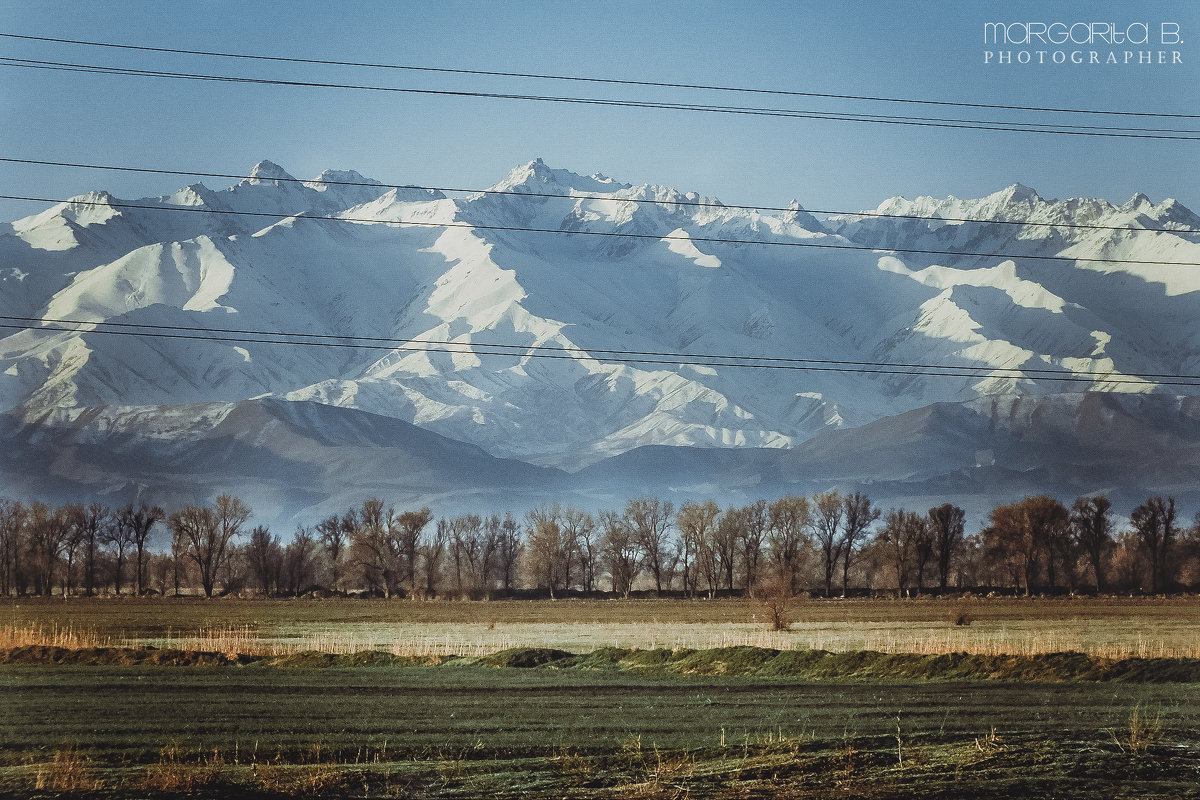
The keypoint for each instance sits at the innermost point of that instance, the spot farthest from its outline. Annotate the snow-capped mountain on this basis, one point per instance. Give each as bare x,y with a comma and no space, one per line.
556,346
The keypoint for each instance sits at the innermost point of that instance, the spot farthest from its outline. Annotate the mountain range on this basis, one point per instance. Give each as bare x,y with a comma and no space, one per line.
310,343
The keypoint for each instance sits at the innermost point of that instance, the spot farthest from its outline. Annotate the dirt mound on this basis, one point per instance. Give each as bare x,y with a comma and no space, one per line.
752,662
862,665
118,656
527,657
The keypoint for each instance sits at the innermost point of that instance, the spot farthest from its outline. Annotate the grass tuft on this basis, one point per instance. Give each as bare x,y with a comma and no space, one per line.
68,771
1144,732
180,772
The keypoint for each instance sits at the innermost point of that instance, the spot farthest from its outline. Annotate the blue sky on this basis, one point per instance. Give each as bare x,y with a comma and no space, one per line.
929,50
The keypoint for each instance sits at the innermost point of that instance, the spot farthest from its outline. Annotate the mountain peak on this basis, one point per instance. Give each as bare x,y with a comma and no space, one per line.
96,197
339,177
1138,201
536,177
792,210
1018,193
795,214
196,194
268,171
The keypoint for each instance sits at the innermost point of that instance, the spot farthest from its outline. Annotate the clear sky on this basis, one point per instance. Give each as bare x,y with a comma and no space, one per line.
932,50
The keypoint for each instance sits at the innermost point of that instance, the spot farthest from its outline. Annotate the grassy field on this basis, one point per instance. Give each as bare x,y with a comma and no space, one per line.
1112,627
462,731
738,723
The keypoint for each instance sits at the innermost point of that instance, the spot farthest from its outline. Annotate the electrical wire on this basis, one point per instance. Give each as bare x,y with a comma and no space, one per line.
636,200
587,79
392,342
478,350
1012,127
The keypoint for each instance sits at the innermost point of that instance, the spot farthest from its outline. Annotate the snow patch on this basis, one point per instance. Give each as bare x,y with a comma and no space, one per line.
679,242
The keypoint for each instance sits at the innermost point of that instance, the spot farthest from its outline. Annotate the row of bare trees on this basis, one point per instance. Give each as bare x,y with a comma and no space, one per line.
828,543
74,548
1038,543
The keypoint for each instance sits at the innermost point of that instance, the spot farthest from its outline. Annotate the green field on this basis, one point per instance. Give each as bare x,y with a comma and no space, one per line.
459,731
740,722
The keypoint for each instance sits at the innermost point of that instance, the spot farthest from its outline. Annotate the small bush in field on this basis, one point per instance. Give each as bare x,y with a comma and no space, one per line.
775,596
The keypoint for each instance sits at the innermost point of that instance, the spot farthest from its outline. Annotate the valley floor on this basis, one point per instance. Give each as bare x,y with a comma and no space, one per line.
90,706
472,730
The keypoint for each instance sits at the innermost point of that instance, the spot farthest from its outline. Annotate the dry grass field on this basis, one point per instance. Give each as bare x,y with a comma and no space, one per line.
1108,627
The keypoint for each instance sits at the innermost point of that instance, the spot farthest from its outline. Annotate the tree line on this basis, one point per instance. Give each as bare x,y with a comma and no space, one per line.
829,543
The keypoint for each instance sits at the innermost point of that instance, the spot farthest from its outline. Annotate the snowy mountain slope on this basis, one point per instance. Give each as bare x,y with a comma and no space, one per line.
1127,446
445,304
296,462
293,462
1132,317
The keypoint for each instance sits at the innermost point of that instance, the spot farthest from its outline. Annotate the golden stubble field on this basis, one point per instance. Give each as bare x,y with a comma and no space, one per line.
1109,627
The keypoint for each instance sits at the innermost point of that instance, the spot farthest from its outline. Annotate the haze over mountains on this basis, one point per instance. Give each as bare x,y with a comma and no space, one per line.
1073,396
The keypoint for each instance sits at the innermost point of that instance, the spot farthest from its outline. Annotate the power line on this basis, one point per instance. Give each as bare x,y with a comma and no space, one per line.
984,371
985,125
849,116
639,200
587,79
615,234
478,350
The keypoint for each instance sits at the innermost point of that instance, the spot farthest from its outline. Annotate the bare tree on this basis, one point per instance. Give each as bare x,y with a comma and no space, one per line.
119,534
432,552
466,553
13,516
493,542
577,527
407,530
788,521
374,548
650,518
924,550
697,524
1189,554
72,515
48,530
509,552
827,522
91,523
946,526
158,569
1091,518
265,558
1049,524
859,516
335,533
897,541
1007,543
621,552
208,533
1020,534
544,548
299,561
139,521
1154,523
581,530
1128,568
726,538
755,521
179,549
